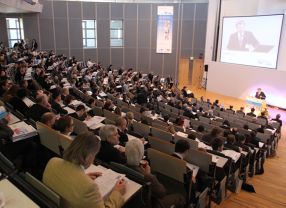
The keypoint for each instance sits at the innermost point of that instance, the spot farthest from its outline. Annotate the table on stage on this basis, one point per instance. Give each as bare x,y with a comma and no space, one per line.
15,198
253,102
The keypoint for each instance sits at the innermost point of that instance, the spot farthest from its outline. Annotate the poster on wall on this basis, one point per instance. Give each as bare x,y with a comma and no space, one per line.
164,29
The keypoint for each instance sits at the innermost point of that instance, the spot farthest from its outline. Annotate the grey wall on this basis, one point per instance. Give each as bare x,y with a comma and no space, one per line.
58,28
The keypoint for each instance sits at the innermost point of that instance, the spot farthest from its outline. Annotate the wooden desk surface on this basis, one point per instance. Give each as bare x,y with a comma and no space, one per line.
14,198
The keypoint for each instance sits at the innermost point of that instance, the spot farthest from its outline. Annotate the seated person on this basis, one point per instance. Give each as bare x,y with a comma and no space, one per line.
170,126
65,125
209,138
134,154
200,128
277,119
121,125
6,133
108,105
230,143
91,103
251,113
230,109
65,93
182,148
18,103
4,86
49,119
218,144
67,178
39,108
24,152
130,118
240,111
263,116
79,113
56,103
109,139
117,111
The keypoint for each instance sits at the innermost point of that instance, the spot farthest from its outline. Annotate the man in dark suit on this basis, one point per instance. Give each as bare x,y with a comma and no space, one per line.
242,40
56,103
260,94
18,103
109,140
42,106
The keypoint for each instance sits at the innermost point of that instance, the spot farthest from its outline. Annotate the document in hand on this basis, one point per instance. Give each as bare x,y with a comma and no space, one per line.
22,131
107,181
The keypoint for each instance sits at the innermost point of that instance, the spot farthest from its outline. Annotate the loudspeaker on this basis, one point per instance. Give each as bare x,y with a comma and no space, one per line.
206,68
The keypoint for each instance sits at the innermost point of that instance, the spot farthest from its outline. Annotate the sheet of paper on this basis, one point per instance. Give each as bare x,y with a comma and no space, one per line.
22,131
28,102
94,120
232,154
69,110
107,181
194,168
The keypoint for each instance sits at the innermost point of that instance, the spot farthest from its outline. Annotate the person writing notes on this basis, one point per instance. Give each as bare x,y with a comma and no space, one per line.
67,177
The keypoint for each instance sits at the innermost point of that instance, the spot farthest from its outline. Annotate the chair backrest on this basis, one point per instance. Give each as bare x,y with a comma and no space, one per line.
108,121
46,191
193,144
162,134
137,115
79,126
48,137
159,122
109,115
216,123
275,124
97,111
161,145
127,171
253,126
263,137
261,121
147,119
65,141
141,128
204,119
201,159
158,126
6,164
175,168
249,118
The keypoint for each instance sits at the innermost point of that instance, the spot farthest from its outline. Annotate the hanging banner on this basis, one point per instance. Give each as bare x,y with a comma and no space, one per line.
164,29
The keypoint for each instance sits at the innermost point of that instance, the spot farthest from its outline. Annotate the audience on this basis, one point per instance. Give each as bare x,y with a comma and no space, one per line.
67,177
